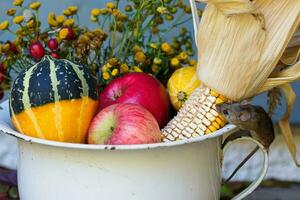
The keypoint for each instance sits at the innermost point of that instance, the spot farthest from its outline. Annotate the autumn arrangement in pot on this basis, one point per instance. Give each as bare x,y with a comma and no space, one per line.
106,85
124,81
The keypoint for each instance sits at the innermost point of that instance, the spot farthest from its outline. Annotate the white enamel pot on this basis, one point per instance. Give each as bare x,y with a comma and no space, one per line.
183,170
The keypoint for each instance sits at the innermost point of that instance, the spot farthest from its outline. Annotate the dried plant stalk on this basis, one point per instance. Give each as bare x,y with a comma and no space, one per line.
292,53
274,100
241,41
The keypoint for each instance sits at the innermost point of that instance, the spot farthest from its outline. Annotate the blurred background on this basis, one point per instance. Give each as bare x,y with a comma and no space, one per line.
282,176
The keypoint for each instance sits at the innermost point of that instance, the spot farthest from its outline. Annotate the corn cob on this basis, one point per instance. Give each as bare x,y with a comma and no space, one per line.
197,117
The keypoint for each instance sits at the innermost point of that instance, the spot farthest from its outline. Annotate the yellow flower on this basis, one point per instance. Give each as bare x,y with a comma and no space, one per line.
35,5
183,56
136,48
73,9
119,15
93,19
95,12
6,47
175,62
169,17
140,57
103,11
137,69
111,5
157,61
166,47
18,19
106,75
113,61
187,9
104,68
5,63
4,25
69,22
20,32
63,33
115,72
183,31
153,46
11,12
162,10
18,41
18,2
67,12
51,19
155,68
193,62
108,65
128,8
31,24
154,30
60,19
124,68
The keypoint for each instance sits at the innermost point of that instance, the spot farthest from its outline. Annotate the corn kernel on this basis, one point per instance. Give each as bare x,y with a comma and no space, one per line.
207,131
222,118
219,121
215,124
223,98
212,128
213,93
219,101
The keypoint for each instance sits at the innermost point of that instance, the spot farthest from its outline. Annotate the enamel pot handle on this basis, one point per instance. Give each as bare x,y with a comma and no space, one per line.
237,136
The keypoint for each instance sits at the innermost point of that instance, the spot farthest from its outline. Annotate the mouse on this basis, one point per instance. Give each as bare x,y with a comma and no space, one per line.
252,119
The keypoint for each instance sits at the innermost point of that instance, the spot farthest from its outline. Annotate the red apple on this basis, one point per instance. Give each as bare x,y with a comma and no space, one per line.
122,124
138,88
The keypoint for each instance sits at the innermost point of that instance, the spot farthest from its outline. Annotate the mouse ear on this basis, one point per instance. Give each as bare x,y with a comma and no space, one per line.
245,116
245,102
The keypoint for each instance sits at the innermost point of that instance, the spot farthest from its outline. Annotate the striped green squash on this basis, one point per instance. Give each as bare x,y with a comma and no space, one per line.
54,100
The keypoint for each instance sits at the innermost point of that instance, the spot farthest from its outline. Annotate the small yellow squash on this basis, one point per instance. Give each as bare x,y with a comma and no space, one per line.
181,84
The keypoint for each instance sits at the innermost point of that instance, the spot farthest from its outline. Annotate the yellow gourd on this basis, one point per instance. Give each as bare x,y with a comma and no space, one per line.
181,84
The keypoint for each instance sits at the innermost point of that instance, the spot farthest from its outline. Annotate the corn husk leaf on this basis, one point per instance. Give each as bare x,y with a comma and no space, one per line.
274,100
292,53
240,43
285,124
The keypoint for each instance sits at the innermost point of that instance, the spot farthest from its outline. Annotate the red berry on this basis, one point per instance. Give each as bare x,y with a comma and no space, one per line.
55,55
53,44
2,70
70,34
1,78
37,50
13,48
1,94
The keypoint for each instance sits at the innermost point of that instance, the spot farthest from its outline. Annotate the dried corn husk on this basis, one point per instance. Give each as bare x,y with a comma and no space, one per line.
285,124
240,44
241,41
289,57
292,53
